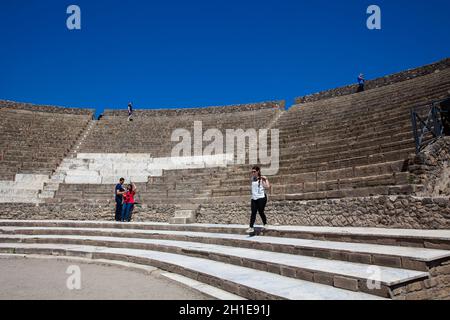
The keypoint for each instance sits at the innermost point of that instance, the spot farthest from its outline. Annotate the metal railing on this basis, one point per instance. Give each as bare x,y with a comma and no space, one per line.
427,123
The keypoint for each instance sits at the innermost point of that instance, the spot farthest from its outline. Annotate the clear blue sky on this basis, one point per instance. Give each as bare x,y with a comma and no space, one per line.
166,53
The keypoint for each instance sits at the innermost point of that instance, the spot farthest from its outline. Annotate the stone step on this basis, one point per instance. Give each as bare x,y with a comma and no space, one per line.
47,194
413,258
228,196
344,132
300,153
206,289
187,206
353,276
377,117
183,216
245,282
353,172
296,149
433,239
309,185
352,192
380,100
330,162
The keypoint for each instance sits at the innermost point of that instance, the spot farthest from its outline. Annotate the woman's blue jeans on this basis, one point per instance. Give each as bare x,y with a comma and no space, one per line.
127,208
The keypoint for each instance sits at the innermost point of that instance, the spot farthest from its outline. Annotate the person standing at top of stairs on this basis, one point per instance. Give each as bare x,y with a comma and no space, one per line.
361,82
130,111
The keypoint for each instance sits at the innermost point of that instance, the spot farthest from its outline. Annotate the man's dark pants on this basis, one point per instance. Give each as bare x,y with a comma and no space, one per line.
118,210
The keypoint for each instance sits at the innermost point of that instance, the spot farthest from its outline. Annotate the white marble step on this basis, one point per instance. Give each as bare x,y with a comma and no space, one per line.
386,275
273,284
419,254
383,232
47,194
440,234
210,291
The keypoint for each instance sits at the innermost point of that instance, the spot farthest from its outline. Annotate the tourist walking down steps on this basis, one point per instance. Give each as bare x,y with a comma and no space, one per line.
259,197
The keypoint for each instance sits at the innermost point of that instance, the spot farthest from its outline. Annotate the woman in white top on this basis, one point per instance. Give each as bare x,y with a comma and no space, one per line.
259,197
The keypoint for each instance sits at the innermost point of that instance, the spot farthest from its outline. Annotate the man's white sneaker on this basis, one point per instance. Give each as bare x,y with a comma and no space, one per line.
250,230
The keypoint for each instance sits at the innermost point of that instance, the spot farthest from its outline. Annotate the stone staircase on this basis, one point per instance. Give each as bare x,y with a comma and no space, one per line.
26,188
49,189
350,146
283,262
184,216
35,144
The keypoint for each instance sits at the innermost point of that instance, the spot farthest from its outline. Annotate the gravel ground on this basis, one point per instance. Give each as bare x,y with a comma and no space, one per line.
43,279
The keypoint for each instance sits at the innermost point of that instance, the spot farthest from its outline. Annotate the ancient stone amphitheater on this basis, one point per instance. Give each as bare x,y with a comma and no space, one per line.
355,212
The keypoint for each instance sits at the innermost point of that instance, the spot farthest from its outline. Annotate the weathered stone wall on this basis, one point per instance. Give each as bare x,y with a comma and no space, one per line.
383,211
431,167
153,213
11,105
376,83
436,287
197,111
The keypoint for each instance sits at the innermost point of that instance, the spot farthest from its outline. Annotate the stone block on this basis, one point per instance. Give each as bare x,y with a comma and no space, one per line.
83,179
323,278
346,283
388,261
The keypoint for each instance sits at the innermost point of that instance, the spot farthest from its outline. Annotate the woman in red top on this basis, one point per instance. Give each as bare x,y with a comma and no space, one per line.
128,202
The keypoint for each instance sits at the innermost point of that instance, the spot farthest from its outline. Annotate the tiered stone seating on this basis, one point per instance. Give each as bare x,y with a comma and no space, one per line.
294,262
147,142
343,162
177,185
35,139
378,82
346,147
349,146
151,130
